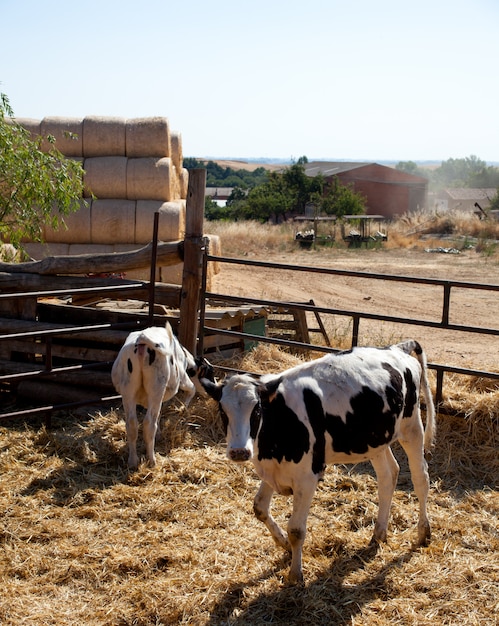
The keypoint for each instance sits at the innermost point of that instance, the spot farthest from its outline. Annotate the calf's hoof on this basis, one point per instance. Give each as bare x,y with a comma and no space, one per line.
380,535
424,534
295,578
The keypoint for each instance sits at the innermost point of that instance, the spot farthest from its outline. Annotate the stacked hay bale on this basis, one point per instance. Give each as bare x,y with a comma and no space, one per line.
133,168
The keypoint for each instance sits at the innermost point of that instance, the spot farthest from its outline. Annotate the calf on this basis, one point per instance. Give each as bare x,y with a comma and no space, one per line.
150,369
342,408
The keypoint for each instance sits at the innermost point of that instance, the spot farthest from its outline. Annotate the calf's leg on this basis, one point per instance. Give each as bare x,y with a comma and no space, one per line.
261,508
150,425
387,471
414,449
297,527
132,429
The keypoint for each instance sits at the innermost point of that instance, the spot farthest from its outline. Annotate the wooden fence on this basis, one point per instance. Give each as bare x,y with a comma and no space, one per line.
48,346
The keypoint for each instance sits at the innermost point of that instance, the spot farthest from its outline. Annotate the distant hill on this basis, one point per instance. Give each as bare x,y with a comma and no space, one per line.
247,165
276,164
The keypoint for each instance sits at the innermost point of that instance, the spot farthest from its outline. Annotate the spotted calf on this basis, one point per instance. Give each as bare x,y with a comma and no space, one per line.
150,369
342,408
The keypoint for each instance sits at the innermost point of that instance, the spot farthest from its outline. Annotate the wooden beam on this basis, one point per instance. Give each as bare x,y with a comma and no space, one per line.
168,253
194,248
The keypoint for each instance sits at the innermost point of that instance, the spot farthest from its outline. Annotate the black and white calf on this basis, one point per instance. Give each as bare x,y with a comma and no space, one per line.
150,369
342,408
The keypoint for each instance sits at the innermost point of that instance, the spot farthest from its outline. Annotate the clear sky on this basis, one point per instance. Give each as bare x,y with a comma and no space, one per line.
328,79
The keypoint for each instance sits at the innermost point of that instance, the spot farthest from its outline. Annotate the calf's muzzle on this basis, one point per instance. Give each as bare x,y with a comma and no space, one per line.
239,454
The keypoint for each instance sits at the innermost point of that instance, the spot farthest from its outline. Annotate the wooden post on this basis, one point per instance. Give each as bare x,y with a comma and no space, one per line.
193,260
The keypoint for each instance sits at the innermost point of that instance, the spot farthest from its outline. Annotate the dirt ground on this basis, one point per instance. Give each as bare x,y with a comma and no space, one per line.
467,307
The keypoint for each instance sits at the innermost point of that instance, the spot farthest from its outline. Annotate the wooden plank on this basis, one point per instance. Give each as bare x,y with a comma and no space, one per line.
300,317
219,341
20,308
73,353
61,314
98,378
8,326
165,294
168,253
282,324
46,393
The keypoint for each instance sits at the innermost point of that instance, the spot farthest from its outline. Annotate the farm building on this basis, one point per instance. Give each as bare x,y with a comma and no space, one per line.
464,199
389,192
220,195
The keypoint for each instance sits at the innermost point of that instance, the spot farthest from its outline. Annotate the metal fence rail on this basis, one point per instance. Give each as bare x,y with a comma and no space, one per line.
444,324
47,369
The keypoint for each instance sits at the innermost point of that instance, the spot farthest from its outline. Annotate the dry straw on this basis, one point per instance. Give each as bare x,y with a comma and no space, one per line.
83,541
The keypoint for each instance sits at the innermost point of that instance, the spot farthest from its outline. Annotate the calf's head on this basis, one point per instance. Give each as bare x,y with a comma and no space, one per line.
240,402
201,368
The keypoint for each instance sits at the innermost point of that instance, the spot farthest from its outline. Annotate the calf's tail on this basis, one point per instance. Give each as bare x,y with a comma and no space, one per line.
145,340
430,432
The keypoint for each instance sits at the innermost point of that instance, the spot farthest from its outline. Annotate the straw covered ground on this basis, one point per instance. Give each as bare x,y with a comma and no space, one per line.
85,542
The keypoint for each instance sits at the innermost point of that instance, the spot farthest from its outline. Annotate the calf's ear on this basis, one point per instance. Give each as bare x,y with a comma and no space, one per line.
212,389
268,390
204,369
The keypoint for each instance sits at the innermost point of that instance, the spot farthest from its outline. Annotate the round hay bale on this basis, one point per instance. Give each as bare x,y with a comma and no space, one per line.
149,179
148,137
76,227
184,182
67,132
176,153
105,177
172,274
104,136
171,223
175,183
88,248
113,221
34,127
215,249
143,273
38,251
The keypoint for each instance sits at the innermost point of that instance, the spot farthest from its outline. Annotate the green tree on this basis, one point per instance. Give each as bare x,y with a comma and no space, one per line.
494,205
36,188
487,177
410,167
218,176
458,172
212,211
340,200
270,201
299,185
236,203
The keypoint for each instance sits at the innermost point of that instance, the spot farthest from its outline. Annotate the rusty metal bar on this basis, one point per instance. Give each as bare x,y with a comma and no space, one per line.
355,330
152,276
358,315
67,331
446,304
371,316
65,292
355,315
58,407
355,274
202,304
53,371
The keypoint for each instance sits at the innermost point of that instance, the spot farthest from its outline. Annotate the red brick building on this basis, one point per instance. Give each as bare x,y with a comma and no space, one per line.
389,192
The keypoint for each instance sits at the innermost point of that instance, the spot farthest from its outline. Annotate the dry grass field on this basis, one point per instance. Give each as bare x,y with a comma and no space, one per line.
83,541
